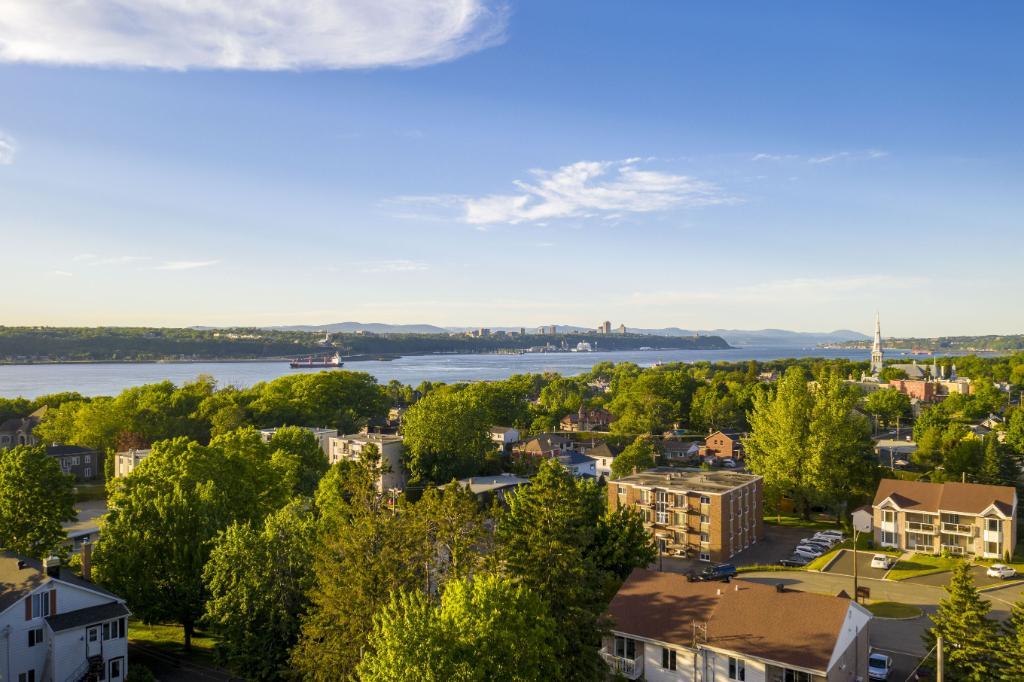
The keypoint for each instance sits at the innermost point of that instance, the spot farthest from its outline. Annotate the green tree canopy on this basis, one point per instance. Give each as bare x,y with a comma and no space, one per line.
484,629
968,633
445,437
35,498
889,404
639,455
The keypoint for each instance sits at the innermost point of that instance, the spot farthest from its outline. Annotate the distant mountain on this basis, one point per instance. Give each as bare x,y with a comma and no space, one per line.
734,337
352,327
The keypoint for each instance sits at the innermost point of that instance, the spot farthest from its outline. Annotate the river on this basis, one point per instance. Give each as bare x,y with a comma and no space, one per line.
109,379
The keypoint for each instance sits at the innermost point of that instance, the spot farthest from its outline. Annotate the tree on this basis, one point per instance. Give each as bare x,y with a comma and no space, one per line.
1015,430
639,455
549,539
967,632
714,407
488,628
258,579
163,518
1010,647
35,498
964,458
889,404
310,462
998,467
338,399
777,447
841,462
445,437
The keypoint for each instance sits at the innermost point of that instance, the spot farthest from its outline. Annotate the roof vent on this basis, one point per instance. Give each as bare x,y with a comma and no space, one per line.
780,587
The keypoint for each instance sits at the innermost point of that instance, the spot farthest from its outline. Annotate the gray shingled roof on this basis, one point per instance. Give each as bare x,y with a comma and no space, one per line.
86,616
17,582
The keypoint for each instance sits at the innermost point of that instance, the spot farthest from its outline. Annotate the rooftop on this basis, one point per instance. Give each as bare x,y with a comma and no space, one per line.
372,437
486,484
685,480
20,575
746,617
966,498
63,450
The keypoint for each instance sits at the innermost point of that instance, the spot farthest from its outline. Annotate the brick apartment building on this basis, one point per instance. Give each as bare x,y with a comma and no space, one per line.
709,515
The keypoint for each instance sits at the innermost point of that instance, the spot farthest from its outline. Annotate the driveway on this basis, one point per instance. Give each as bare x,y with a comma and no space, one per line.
777,545
843,565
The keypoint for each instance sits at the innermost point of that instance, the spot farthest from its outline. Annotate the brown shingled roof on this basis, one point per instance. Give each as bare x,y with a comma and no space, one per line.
792,628
966,498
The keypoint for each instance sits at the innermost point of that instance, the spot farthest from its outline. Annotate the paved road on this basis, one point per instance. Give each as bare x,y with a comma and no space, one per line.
170,668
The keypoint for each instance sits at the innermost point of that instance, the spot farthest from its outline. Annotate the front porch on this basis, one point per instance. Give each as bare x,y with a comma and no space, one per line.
624,656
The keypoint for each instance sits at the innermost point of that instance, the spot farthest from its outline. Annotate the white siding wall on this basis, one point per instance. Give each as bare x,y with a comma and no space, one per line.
653,672
69,653
718,667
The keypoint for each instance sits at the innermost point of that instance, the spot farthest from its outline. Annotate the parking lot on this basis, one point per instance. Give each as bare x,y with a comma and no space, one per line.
777,545
843,565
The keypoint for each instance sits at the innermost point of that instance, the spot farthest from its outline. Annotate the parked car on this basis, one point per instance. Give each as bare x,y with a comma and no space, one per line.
837,534
879,666
710,460
804,550
825,537
1001,571
883,561
719,572
796,561
817,542
729,463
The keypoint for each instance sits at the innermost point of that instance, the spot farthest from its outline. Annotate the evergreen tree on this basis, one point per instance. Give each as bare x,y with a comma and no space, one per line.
1010,647
967,632
997,466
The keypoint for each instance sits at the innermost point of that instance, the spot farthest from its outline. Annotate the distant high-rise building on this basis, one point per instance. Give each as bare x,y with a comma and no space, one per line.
522,331
876,349
622,329
605,328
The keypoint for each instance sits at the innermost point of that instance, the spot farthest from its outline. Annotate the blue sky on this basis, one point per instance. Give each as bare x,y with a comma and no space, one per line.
703,165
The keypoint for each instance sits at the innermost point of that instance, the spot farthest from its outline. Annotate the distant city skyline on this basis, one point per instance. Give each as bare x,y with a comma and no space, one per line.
503,164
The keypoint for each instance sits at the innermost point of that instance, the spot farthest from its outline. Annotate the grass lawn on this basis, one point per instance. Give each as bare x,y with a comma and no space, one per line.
171,638
1017,561
922,564
817,522
893,609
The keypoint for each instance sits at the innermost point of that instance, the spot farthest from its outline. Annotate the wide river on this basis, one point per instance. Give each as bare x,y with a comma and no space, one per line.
108,379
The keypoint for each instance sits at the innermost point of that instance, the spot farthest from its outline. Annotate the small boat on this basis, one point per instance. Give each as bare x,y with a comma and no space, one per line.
311,362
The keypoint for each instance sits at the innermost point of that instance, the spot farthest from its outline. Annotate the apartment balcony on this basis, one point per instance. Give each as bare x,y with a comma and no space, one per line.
915,527
992,536
630,668
958,529
955,549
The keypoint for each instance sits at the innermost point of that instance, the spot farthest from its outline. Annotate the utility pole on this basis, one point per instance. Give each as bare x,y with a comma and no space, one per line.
855,566
939,672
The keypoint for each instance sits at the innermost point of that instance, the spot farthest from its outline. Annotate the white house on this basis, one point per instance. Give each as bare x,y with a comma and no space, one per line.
125,462
504,436
667,629
390,448
57,627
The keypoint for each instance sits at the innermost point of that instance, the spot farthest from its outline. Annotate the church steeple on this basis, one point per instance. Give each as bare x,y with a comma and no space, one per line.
876,349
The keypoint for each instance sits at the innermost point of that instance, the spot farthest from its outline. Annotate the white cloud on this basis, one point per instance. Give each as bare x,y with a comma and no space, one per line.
7,148
609,189
804,289
863,155
186,264
93,259
398,265
62,273
248,34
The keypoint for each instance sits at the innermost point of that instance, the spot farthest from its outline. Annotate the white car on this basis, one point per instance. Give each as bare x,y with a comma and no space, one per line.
879,666
1001,571
830,540
837,534
883,561
729,464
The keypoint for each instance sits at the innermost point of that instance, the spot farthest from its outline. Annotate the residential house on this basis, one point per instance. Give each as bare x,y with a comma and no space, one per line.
504,436
675,450
711,515
487,488
963,518
125,462
56,626
578,464
602,454
18,430
389,446
323,436
667,629
596,419
724,445
85,464
543,445
862,519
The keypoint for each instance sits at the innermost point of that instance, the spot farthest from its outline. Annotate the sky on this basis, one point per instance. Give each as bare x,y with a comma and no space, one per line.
732,165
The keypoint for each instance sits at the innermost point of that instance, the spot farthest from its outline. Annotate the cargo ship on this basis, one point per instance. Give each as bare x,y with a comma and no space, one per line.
333,361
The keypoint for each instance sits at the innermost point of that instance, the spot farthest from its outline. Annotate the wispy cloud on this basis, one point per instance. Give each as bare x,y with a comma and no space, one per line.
185,264
606,189
62,273
861,155
7,148
248,34
398,265
803,289
93,259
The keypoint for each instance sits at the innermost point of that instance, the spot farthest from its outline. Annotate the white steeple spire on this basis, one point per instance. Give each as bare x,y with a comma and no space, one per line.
876,348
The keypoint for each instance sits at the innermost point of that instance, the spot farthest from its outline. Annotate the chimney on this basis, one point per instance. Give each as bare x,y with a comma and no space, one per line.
780,587
718,592
87,560
52,566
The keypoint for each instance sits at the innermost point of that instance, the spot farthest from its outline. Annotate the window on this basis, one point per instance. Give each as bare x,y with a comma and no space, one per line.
680,500
75,461
35,636
625,647
704,518
737,669
992,548
888,538
888,516
88,459
705,556
795,676
106,631
953,518
622,490
661,506
41,604
668,659
704,499
115,669
992,525
705,537
30,676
